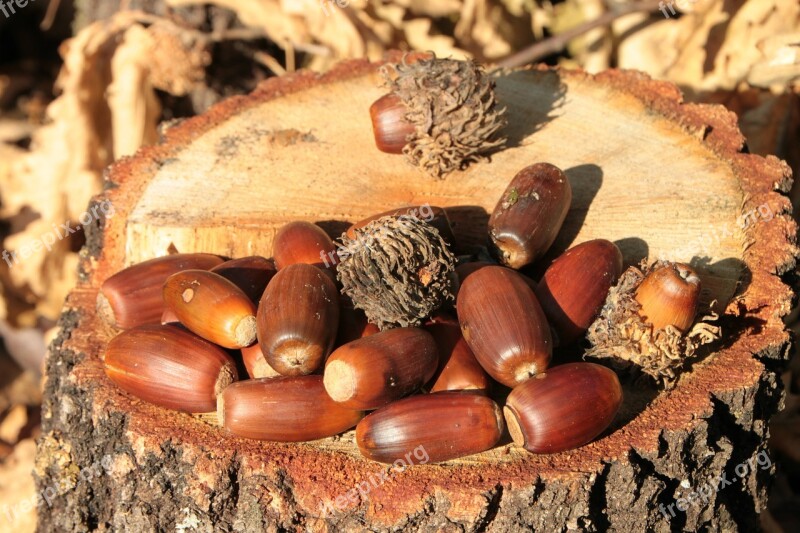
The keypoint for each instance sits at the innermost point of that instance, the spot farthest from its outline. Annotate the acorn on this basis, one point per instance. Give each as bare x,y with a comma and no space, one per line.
392,130
458,369
397,270
465,269
441,113
443,426
169,317
503,324
132,296
575,285
529,215
283,409
212,307
373,371
353,325
669,296
255,362
251,274
170,367
648,322
564,408
435,216
303,242
298,318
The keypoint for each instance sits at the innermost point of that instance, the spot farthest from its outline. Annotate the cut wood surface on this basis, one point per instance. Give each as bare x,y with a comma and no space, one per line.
661,178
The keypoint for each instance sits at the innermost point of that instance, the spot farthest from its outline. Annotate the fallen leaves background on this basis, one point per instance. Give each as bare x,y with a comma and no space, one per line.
83,83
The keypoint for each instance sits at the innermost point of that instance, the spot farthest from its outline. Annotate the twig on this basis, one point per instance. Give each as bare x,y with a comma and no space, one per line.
270,62
556,43
50,15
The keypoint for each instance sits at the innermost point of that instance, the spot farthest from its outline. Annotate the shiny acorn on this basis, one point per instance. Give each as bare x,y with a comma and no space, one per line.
389,124
170,367
458,369
283,409
298,318
132,296
256,363
529,215
212,307
669,296
503,324
251,274
303,242
373,371
564,408
574,287
445,425
353,324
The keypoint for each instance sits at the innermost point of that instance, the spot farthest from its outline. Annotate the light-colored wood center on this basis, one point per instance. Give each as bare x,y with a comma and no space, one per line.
643,183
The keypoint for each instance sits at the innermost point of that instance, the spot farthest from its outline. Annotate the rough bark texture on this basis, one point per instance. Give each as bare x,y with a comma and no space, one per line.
108,461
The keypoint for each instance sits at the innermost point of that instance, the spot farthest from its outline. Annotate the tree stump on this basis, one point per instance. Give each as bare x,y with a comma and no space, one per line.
661,178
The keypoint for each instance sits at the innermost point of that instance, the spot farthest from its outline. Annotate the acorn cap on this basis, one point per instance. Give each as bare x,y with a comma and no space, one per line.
398,270
622,335
452,106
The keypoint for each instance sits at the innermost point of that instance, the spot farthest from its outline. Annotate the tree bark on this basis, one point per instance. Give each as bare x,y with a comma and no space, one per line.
661,178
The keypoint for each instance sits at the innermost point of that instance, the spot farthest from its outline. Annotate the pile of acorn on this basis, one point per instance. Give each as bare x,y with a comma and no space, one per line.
388,321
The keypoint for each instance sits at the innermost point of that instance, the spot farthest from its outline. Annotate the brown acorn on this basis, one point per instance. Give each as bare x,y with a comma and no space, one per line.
373,371
669,296
574,287
435,216
256,363
283,409
298,318
504,325
529,215
303,242
440,426
212,307
170,367
132,296
458,369
389,124
564,408
251,274
169,317
353,325
465,269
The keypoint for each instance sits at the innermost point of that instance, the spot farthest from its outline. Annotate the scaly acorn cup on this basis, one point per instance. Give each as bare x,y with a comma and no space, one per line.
435,216
624,333
283,409
170,367
398,270
441,113
132,296
446,425
212,307
251,274
298,318
574,287
373,371
529,215
304,242
566,407
504,325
